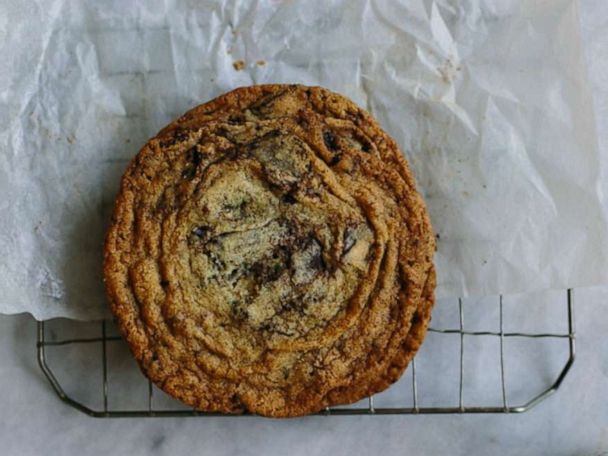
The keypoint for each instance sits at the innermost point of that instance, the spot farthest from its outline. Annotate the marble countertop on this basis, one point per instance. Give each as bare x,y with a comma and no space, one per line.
572,422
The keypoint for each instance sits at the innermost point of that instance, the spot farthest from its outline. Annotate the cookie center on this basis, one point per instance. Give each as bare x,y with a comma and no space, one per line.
271,247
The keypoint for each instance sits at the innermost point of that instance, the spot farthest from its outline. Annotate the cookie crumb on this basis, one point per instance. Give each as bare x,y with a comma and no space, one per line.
238,65
260,62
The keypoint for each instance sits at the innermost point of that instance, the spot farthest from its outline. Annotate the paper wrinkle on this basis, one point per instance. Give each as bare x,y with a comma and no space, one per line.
486,98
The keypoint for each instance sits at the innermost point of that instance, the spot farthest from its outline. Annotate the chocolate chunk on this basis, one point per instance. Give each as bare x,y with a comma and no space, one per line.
189,173
318,262
335,159
306,261
178,135
276,270
232,154
288,198
316,258
200,231
291,305
330,140
194,156
348,240
237,118
236,401
359,141
267,271
238,311
284,159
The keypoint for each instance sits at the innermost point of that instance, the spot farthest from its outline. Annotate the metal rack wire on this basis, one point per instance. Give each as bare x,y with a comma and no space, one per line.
504,407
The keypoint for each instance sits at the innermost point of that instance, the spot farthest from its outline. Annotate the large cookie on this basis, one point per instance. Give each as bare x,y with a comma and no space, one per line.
269,252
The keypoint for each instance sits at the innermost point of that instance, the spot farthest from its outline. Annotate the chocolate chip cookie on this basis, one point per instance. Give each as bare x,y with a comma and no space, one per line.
269,253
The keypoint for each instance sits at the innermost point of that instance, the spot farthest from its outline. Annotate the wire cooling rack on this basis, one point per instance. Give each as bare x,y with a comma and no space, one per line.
49,339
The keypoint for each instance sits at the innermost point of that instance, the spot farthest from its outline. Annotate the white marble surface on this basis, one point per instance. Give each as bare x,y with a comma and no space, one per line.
573,422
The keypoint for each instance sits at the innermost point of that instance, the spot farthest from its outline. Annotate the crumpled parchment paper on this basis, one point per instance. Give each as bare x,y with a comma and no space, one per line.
488,99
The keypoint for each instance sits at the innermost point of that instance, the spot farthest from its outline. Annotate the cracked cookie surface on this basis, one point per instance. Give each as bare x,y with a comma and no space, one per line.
269,253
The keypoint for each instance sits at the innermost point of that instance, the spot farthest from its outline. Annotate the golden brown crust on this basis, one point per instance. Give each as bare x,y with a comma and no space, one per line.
269,252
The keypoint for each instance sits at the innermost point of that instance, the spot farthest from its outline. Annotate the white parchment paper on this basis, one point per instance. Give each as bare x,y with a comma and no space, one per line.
488,99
